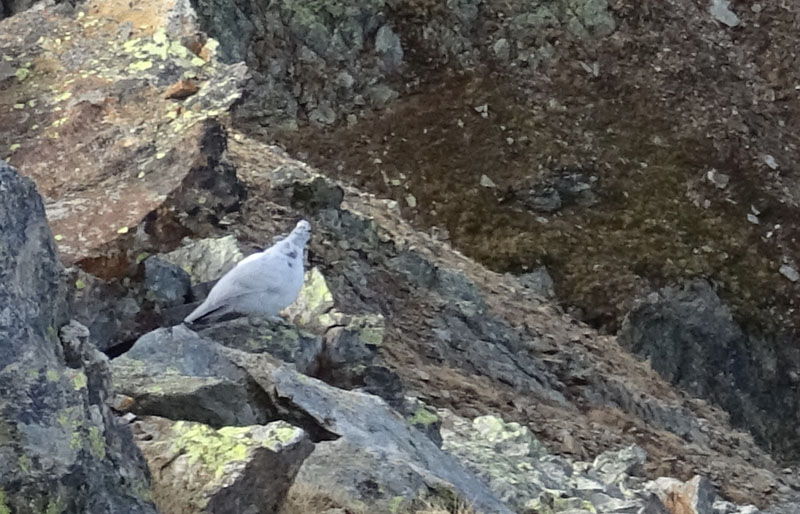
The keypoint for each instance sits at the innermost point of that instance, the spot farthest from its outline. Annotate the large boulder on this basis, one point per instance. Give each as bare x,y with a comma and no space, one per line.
233,470
61,449
128,110
176,373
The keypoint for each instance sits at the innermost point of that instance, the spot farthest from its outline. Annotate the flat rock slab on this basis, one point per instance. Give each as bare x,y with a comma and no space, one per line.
233,470
85,116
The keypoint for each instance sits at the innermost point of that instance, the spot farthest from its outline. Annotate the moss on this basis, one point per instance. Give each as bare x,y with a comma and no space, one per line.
396,504
53,375
423,416
79,381
213,449
141,65
97,443
372,335
24,463
3,504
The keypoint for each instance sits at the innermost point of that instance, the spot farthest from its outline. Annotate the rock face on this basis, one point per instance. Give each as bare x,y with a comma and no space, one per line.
319,61
61,449
232,470
128,183
691,339
350,427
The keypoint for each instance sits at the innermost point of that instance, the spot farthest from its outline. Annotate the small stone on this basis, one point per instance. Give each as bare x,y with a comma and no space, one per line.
483,110
411,201
752,218
720,10
770,161
167,283
501,49
487,182
720,180
789,272
184,88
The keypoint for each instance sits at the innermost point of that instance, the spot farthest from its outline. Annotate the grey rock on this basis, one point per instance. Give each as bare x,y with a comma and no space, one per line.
545,199
370,435
178,374
540,282
166,283
62,449
206,260
257,335
521,472
611,467
502,49
389,47
720,10
381,95
109,309
226,471
692,340
789,272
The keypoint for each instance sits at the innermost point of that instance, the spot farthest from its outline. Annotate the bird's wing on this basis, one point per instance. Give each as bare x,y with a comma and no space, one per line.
261,272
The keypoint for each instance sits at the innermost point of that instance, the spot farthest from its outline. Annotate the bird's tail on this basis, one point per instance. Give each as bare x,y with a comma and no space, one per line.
204,311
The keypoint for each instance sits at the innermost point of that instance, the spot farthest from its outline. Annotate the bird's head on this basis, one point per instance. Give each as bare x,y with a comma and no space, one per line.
301,233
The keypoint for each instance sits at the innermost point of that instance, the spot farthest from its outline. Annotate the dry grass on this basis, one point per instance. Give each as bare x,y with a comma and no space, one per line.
305,499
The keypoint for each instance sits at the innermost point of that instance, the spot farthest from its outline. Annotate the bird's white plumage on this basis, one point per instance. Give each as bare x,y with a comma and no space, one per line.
263,283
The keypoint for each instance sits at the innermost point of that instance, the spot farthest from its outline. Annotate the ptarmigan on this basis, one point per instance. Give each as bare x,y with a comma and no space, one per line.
263,283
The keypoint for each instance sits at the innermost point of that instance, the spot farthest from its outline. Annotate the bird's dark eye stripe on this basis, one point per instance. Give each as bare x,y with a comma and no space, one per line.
292,254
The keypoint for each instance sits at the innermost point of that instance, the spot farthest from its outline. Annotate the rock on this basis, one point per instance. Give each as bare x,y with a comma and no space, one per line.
423,418
176,373
110,310
487,182
611,467
62,449
370,434
180,90
521,473
720,180
501,49
690,338
205,260
198,469
156,172
166,284
314,303
720,11
696,496
789,272
544,199
381,95
389,48
257,335
540,282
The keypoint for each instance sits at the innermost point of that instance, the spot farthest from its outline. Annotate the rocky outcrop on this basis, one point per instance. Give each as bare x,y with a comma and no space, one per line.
352,427
61,448
228,471
690,337
327,62
138,168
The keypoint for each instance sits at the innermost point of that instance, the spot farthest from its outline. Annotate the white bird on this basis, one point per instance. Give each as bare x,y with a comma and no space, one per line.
263,283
